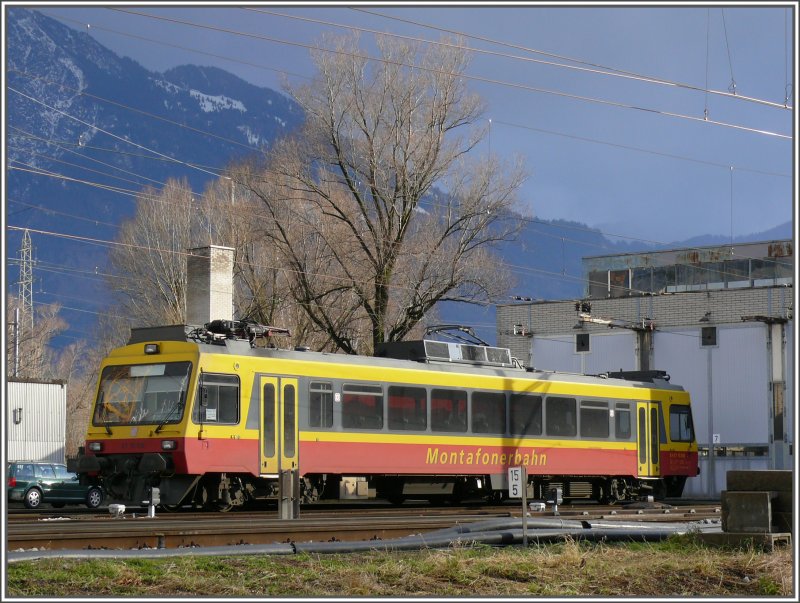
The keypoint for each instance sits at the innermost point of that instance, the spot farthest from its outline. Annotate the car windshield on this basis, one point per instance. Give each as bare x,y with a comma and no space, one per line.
142,394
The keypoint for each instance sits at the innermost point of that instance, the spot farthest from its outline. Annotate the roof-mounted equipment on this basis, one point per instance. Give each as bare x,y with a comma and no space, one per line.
217,331
467,349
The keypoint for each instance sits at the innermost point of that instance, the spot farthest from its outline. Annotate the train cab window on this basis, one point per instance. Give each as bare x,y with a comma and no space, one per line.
449,410
594,419
525,414
560,416
320,401
362,406
622,421
222,400
680,424
488,412
408,408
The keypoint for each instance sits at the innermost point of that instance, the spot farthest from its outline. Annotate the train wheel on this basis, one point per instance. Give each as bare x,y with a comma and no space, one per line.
223,507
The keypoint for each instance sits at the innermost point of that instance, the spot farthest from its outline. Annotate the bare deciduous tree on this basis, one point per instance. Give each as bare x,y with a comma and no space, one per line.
350,199
149,260
28,350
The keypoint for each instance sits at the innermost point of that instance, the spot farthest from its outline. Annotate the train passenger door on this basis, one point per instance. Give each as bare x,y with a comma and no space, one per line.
647,440
278,430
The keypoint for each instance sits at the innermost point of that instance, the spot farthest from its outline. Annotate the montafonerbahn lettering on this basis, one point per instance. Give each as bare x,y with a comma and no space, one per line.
479,457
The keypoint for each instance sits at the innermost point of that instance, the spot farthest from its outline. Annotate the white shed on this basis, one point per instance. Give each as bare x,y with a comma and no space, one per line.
36,418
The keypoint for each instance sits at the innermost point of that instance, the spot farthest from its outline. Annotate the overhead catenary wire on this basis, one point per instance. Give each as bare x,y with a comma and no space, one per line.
253,148
157,198
120,138
469,77
212,173
599,70
169,45
622,236
107,243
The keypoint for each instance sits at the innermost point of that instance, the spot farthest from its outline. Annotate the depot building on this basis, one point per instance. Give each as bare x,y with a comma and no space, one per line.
718,320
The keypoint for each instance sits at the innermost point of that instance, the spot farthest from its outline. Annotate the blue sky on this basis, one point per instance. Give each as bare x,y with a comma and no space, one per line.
617,160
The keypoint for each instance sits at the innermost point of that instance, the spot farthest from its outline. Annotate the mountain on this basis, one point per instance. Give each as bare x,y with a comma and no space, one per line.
103,127
87,129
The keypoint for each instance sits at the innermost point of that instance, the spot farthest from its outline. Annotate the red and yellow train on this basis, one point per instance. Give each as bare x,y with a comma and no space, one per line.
212,421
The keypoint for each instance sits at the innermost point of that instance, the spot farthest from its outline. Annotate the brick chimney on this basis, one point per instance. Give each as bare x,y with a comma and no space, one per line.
209,278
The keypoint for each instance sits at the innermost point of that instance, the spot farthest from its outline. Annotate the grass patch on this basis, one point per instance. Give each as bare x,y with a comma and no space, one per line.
677,567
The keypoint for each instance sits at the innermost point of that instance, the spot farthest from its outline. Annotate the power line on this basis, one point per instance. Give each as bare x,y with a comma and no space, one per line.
125,140
135,110
186,48
640,149
465,76
608,71
157,198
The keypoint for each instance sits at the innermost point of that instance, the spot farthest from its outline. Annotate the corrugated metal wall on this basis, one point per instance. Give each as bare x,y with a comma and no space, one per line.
740,374
679,353
607,353
36,421
612,353
739,381
789,372
555,354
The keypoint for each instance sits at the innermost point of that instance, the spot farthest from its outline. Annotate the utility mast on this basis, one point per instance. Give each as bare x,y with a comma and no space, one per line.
26,283
644,329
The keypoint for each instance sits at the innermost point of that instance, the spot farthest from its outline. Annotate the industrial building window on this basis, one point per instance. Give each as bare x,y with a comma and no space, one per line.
221,404
560,416
619,283
708,336
449,410
594,419
680,424
320,404
622,421
362,406
525,414
408,408
582,342
488,412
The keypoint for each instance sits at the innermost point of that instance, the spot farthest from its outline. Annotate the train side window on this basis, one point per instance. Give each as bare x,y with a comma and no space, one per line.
449,410
408,408
560,416
622,421
320,400
594,419
362,406
289,409
488,412
223,400
680,424
525,414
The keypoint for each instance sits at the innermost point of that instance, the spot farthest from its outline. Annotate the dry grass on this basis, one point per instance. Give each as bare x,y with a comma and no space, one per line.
677,568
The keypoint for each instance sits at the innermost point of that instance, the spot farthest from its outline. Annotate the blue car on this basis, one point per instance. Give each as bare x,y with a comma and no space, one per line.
34,483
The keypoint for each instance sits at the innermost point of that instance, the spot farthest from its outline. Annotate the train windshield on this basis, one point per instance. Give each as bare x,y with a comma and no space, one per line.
136,394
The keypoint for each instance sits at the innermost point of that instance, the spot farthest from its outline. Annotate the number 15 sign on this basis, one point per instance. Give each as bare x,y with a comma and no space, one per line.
515,482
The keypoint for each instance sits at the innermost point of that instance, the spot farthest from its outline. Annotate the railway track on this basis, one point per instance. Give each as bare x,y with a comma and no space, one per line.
135,530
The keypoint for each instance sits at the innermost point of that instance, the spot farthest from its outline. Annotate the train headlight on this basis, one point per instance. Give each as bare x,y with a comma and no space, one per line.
95,446
151,348
168,445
